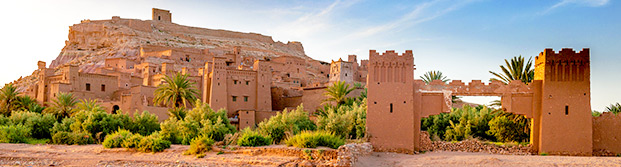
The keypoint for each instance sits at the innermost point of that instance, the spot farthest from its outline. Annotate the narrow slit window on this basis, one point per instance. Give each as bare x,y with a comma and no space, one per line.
88,87
566,110
390,107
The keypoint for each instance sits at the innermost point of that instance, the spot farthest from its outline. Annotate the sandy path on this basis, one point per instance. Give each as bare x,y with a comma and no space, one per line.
442,158
96,155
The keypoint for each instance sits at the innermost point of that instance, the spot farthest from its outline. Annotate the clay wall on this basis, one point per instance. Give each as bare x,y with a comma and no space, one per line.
161,15
566,108
140,25
246,119
391,102
606,132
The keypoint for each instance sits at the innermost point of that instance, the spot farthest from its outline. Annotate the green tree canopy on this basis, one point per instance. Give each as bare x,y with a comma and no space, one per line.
516,69
337,92
176,91
429,76
63,106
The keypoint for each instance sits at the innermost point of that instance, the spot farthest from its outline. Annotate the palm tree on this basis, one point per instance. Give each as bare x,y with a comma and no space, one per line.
29,104
89,105
515,70
62,106
337,92
177,91
8,99
433,75
614,108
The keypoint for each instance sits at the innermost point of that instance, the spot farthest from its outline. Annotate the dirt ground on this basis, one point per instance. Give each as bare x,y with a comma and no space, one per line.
443,158
96,155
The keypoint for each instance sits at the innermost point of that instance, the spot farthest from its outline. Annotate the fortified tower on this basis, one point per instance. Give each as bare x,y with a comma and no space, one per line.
341,71
161,15
263,90
565,124
219,98
390,115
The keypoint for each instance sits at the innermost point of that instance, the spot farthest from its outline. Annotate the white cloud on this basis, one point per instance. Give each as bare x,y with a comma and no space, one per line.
587,3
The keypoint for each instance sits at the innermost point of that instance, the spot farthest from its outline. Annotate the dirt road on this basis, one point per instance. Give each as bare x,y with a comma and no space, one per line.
442,158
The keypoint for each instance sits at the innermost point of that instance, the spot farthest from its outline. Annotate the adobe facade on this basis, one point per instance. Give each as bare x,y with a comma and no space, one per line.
226,77
557,102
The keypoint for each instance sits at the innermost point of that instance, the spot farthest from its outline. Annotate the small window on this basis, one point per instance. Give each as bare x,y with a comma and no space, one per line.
234,98
234,81
390,107
88,87
103,87
247,82
566,110
245,98
159,17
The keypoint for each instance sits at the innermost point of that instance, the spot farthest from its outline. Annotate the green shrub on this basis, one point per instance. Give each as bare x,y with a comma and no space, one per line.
82,138
506,130
286,123
198,121
153,143
4,120
312,139
252,138
132,141
39,124
200,145
170,131
62,138
116,139
215,130
71,138
346,121
145,123
460,123
14,133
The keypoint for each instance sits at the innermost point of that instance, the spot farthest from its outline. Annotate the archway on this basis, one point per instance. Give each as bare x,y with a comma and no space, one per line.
115,108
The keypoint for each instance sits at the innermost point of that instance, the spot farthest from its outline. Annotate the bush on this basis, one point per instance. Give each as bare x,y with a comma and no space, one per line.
132,141
460,123
39,124
506,130
116,139
70,138
346,121
153,143
201,120
312,139
253,139
145,123
14,133
286,123
170,131
200,145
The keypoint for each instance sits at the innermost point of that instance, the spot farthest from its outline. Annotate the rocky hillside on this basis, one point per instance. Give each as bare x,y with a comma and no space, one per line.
91,42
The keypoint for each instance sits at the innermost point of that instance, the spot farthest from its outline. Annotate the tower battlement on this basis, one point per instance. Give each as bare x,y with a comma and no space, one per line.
566,65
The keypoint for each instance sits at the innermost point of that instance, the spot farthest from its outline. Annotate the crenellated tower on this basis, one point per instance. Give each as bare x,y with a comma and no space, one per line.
565,124
390,104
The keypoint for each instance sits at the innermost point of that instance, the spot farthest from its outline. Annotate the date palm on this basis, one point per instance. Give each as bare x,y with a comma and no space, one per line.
8,99
516,69
429,76
63,106
337,92
614,108
89,105
176,91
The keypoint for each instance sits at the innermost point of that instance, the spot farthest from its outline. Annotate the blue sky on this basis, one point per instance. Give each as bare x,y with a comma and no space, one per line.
464,39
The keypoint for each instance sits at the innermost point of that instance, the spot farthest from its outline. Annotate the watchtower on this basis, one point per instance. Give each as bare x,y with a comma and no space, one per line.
565,123
161,15
391,119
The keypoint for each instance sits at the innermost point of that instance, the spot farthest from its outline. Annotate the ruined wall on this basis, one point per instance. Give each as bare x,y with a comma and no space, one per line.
606,132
